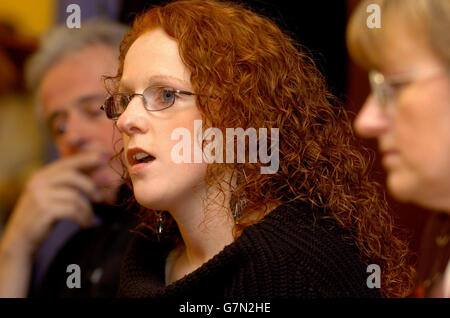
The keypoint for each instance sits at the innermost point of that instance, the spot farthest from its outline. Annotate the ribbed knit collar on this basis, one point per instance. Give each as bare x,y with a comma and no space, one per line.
144,270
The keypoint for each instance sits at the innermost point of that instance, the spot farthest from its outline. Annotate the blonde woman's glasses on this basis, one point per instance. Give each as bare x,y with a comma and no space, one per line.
386,88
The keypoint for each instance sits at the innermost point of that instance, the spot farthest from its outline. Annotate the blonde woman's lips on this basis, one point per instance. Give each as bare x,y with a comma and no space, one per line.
390,157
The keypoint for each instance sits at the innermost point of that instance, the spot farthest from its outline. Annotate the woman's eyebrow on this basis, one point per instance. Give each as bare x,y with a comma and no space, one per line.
123,88
166,78
155,79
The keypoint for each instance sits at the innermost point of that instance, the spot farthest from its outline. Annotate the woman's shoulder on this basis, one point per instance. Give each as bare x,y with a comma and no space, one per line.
316,251
296,226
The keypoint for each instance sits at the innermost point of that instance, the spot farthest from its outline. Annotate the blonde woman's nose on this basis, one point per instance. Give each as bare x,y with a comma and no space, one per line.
372,120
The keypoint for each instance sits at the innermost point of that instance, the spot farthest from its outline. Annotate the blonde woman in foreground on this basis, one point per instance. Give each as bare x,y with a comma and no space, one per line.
408,111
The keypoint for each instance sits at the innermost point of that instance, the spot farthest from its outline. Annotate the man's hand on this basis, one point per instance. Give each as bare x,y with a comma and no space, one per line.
61,190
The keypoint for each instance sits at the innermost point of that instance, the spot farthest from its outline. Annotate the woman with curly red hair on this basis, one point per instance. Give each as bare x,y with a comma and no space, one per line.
308,229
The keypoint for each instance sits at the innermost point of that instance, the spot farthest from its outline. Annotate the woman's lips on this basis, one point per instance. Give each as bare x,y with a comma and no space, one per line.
389,158
136,164
138,167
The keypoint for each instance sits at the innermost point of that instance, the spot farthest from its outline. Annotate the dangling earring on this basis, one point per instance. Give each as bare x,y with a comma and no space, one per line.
237,204
159,224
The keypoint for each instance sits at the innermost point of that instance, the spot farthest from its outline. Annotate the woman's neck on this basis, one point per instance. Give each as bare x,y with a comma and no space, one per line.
205,228
205,231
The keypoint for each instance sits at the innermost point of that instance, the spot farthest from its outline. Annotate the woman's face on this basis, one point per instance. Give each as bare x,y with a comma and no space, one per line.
413,131
161,184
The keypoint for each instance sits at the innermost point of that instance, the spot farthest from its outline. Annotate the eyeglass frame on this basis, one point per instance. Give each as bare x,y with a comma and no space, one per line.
379,83
131,96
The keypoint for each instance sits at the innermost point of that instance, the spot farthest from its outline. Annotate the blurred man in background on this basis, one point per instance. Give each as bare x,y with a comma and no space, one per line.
67,220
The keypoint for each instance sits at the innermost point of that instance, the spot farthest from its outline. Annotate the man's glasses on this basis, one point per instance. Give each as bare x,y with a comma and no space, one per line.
155,98
386,89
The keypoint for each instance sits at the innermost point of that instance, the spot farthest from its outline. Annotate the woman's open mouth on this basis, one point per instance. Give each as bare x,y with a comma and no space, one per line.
138,159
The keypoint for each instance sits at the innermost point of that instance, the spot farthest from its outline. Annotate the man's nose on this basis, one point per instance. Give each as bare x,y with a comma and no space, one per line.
134,120
372,120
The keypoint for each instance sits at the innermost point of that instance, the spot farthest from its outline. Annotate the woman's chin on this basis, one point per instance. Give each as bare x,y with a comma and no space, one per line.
153,200
402,187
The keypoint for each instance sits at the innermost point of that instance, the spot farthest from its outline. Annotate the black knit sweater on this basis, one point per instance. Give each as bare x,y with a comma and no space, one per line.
287,254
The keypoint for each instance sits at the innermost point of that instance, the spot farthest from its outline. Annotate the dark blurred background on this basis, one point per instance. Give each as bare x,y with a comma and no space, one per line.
317,25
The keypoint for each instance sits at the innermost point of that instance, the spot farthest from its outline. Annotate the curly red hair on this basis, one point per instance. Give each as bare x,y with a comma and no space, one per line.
249,63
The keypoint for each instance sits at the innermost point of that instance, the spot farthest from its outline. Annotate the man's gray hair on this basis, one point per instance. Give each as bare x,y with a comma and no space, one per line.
61,40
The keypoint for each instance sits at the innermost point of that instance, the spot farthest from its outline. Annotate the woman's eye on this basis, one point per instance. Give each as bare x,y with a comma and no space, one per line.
398,86
167,95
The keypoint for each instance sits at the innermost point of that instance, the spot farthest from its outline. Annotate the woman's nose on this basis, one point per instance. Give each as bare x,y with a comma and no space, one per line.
372,120
134,120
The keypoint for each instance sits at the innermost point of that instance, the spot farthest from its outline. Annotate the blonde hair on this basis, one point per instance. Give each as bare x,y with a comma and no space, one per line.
426,20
